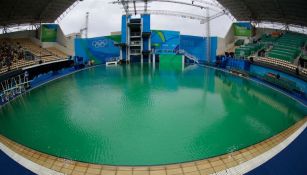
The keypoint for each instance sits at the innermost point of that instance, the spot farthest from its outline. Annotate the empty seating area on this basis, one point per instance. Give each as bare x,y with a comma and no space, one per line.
57,53
46,55
288,47
268,39
17,65
37,50
248,50
239,42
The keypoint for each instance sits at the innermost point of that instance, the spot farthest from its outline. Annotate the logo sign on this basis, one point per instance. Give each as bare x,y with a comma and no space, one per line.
100,43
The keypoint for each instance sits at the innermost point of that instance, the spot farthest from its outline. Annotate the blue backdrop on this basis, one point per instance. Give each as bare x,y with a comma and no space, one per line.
101,49
165,42
196,46
262,71
98,49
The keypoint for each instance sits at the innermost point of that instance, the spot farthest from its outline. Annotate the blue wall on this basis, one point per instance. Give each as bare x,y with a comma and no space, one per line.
124,28
165,42
196,46
262,71
146,29
290,161
9,166
146,23
98,49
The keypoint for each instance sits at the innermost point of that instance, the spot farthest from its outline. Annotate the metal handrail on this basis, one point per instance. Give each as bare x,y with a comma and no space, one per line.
188,55
113,59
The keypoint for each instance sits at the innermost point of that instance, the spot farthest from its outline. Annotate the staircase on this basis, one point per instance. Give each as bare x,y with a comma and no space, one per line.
188,56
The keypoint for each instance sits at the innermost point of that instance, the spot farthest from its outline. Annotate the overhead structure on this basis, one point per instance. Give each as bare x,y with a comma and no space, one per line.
204,18
20,12
166,1
85,29
287,12
200,18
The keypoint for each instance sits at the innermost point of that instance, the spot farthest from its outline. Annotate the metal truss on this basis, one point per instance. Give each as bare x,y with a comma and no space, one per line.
63,15
191,3
185,15
172,13
281,26
212,6
201,4
19,27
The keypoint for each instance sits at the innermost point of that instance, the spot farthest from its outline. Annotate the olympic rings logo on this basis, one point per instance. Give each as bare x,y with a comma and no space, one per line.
100,43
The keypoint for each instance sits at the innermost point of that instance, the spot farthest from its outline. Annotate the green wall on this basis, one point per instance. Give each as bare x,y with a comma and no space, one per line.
171,62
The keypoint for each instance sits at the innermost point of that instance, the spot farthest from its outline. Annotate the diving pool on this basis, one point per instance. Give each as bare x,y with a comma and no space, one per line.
139,115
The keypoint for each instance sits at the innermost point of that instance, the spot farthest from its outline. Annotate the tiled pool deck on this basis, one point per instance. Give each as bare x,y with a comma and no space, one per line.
226,164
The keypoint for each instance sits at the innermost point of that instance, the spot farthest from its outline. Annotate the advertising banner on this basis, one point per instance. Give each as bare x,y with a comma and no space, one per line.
243,29
49,32
99,49
197,46
165,42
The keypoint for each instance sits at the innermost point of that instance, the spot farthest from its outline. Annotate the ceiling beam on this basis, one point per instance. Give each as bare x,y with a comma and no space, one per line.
134,6
166,1
281,11
46,5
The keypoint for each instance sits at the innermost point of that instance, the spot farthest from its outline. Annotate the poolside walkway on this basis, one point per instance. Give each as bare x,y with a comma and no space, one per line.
238,162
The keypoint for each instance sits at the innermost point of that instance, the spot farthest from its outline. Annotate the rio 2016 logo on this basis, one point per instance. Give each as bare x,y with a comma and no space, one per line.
100,43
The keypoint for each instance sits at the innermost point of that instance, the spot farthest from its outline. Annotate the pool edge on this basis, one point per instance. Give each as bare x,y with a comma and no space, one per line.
243,160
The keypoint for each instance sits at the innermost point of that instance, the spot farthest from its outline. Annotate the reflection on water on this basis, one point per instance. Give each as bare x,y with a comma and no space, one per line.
140,115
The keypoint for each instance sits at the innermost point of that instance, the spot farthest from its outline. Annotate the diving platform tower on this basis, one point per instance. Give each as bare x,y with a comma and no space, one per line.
135,43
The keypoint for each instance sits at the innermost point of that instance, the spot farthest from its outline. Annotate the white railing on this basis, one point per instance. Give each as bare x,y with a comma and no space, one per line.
13,87
135,51
135,43
135,34
278,62
283,64
189,56
113,59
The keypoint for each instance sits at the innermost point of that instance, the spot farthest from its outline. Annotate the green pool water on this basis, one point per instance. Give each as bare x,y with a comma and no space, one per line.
134,115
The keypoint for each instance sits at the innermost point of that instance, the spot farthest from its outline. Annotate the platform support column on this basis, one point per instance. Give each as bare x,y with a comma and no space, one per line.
183,57
142,59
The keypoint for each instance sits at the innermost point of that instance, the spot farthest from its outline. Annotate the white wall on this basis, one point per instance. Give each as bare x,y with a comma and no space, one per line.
63,44
61,38
226,43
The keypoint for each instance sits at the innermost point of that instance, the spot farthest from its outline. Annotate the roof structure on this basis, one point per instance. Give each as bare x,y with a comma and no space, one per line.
292,12
16,12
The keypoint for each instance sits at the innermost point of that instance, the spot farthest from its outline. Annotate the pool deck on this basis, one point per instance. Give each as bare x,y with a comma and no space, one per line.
238,162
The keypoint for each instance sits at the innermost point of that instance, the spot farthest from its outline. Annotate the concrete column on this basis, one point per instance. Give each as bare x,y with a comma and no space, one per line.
121,54
142,59
154,62
149,58
183,62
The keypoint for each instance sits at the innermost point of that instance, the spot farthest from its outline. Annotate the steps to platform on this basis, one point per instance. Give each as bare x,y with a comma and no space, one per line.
188,56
